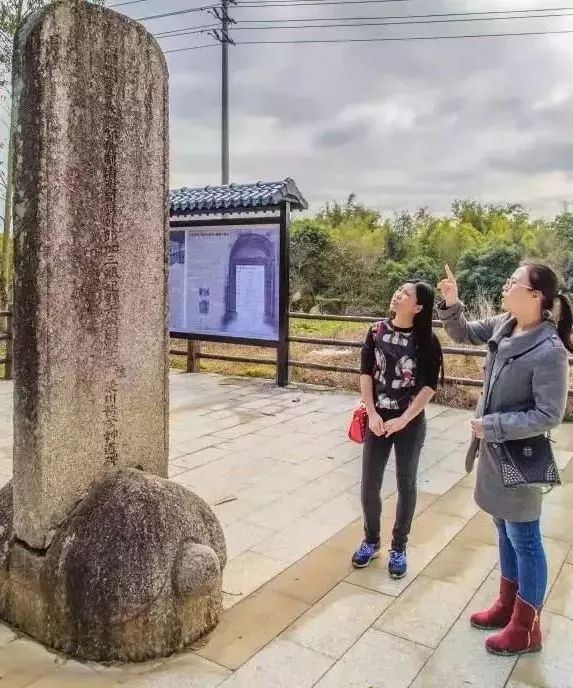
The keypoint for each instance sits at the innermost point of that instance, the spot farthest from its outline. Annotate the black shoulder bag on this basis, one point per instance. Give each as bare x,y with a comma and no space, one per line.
527,462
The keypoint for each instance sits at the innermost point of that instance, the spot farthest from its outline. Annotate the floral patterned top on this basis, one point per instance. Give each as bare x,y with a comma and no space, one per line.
389,354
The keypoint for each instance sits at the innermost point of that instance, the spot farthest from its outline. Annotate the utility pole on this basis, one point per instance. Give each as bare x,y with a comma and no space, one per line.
225,94
224,39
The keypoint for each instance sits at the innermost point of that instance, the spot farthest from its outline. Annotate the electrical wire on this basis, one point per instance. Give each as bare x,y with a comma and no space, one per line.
388,39
412,16
177,13
181,32
194,47
409,38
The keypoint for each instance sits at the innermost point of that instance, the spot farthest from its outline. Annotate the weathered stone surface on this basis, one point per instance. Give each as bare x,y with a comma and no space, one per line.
90,324
133,573
100,556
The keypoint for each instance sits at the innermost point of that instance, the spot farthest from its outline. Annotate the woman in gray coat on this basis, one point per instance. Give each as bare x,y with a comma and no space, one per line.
524,395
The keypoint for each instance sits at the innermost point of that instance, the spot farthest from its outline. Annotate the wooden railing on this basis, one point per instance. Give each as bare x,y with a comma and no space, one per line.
194,353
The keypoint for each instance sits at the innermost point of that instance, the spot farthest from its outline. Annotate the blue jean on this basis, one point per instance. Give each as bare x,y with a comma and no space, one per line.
522,558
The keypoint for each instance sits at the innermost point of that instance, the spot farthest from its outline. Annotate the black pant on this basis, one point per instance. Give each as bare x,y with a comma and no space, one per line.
407,444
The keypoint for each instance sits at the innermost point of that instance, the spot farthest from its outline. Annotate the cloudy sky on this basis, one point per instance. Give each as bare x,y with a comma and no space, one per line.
401,124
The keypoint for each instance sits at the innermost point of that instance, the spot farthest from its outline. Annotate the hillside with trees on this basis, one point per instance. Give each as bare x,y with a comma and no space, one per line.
348,259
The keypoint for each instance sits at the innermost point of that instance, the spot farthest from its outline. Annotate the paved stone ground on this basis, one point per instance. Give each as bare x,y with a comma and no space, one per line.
283,478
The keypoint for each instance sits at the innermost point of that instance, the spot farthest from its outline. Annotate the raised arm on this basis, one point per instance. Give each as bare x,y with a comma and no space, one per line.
451,313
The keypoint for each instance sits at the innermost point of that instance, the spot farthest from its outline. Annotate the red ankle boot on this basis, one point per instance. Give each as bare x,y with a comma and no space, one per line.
522,634
499,614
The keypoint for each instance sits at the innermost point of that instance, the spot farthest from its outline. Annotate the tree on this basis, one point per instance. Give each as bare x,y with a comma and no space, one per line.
12,14
483,273
388,275
563,226
337,214
446,240
385,279
349,259
399,233
312,255
568,272
482,217
424,268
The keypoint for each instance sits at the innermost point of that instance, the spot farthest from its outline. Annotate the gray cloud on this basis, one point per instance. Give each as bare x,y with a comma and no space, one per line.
401,124
343,135
542,156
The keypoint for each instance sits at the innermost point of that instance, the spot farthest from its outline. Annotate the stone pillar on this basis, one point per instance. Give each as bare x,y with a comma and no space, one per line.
100,556
90,219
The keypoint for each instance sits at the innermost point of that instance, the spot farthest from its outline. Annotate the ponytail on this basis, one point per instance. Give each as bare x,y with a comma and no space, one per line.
565,320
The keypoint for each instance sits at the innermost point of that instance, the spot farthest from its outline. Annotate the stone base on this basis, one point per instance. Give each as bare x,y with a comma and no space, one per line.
134,573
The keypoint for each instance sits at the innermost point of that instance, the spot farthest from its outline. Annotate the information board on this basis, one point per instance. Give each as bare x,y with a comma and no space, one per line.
224,281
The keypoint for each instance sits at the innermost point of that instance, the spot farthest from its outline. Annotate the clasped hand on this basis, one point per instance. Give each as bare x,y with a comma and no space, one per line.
388,428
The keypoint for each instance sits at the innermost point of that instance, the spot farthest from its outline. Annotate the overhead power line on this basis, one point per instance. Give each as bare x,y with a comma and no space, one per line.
308,3
182,32
481,16
193,47
189,31
302,3
299,3
281,3
409,38
128,2
389,39
177,13
413,16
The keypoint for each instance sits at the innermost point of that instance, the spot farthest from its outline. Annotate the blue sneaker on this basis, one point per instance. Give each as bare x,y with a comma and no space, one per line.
397,564
364,554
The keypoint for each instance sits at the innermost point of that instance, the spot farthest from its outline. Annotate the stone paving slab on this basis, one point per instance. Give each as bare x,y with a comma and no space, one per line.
279,471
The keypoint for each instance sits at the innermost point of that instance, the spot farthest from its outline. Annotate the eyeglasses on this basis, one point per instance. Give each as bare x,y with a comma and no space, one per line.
512,282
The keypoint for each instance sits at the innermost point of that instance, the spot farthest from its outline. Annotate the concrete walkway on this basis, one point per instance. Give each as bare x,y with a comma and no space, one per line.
284,480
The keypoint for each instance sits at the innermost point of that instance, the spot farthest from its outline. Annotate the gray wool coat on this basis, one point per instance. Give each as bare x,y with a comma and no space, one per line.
524,394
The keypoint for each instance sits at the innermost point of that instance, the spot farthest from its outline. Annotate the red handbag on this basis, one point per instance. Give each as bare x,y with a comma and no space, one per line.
359,422
358,425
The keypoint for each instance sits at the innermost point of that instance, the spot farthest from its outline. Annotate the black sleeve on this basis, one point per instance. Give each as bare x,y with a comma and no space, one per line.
430,363
368,359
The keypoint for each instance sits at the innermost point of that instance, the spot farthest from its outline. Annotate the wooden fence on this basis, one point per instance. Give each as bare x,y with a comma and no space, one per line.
194,354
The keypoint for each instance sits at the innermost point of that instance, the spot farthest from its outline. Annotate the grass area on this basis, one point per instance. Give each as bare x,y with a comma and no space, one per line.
327,330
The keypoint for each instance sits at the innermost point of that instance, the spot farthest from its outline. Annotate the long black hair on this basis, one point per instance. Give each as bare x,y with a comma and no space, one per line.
427,344
545,281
